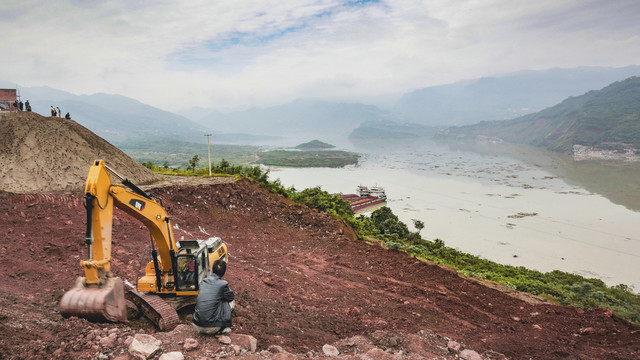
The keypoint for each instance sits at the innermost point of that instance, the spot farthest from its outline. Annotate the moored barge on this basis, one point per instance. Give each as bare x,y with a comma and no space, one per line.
365,197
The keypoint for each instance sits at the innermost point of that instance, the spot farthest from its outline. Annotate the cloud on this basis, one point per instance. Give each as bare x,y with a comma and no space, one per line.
226,54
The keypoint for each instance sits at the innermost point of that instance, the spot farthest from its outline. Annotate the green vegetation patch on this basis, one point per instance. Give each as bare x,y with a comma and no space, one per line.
322,158
224,168
167,153
176,154
565,288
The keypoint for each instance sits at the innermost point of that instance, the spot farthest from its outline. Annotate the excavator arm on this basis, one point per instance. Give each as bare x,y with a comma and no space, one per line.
101,195
100,295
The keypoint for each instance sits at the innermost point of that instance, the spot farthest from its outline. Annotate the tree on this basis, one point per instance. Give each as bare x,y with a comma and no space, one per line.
194,162
388,223
150,165
419,225
165,164
318,199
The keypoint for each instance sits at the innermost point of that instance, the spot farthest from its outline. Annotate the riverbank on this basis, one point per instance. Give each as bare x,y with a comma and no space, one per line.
614,178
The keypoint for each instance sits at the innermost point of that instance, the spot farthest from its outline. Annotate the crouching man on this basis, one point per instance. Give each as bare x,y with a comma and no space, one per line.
214,304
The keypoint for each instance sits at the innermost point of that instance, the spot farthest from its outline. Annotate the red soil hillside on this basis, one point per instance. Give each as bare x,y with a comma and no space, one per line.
301,280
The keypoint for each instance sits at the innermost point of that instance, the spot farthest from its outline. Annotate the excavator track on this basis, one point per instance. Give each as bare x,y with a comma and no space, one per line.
163,315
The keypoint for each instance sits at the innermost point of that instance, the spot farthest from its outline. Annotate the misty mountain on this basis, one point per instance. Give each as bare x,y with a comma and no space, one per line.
199,113
601,118
380,131
119,119
301,119
504,97
115,118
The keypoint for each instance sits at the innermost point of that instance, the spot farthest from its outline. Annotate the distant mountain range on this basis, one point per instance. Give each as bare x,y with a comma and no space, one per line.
504,97
380,131
119,119
606,118
297,120
465,102
113,117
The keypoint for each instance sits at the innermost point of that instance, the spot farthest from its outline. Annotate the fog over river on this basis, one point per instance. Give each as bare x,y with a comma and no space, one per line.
495,207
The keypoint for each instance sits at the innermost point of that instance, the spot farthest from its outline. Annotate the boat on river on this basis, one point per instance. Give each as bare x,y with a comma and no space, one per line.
365,198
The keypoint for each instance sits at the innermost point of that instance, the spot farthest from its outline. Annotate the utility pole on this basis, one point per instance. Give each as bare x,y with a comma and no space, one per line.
209,150
17,97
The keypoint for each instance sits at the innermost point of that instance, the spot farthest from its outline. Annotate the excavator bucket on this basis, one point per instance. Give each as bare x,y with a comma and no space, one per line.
101,303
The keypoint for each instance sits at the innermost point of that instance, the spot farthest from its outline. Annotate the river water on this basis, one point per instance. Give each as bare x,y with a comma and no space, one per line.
496,207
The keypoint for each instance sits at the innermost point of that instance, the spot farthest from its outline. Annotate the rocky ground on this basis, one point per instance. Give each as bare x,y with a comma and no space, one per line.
305,287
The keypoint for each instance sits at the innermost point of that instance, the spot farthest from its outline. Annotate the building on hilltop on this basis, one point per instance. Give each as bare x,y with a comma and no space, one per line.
7,98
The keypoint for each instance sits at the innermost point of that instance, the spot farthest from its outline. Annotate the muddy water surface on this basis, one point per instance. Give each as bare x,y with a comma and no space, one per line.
496,207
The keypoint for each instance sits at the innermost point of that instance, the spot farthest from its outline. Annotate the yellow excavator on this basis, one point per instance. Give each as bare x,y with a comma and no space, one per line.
172,275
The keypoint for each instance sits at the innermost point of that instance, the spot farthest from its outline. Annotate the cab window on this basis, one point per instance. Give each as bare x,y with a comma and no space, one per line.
187,275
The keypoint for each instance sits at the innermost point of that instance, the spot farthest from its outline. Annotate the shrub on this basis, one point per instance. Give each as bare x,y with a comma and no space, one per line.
318,199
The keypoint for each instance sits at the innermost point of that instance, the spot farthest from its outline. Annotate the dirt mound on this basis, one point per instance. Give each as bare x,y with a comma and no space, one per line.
301,279
47,154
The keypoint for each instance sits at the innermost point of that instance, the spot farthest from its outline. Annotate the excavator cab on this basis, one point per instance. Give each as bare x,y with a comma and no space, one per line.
187,273
194,261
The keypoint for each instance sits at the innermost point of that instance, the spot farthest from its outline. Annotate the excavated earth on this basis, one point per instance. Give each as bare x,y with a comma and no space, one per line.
302,279
38,152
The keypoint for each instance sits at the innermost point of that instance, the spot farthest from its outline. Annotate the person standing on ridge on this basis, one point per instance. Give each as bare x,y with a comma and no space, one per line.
27,106
59,112
53,111
215,303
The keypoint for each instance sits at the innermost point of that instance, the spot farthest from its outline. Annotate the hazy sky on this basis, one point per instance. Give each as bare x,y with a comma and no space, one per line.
228,54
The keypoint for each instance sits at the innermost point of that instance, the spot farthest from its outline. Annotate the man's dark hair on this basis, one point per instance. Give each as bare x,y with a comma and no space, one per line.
219,267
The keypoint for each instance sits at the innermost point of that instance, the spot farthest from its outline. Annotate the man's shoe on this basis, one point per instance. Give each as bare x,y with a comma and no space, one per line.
224,331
